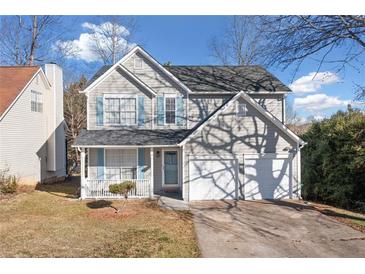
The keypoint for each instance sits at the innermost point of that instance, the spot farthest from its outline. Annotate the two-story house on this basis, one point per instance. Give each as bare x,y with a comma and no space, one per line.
204,132
32,127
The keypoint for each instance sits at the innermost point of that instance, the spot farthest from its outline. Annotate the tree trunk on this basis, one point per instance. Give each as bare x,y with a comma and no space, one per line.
33,44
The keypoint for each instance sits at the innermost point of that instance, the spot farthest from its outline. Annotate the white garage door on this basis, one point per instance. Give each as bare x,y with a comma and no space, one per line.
267,176
212,179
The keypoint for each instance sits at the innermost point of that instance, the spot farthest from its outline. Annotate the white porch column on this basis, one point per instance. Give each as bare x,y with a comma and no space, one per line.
152,173
183,172
83,179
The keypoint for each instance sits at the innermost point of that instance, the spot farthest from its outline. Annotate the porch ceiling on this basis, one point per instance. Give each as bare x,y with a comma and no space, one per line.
130,137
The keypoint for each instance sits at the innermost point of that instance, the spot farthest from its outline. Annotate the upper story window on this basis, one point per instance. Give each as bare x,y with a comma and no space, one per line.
241,110
120,111
138,63
36,101
170,110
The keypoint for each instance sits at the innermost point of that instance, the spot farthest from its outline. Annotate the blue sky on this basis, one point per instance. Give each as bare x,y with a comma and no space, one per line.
184,40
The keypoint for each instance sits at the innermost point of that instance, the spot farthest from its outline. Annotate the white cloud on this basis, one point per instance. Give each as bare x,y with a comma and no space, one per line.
314,81
320,101
86,42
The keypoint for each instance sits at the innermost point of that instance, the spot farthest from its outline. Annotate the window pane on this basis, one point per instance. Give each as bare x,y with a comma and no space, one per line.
241,110
128,111
112,173
129,173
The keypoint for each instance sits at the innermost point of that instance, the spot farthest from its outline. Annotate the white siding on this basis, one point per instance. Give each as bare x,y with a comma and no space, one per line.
23,137
228,135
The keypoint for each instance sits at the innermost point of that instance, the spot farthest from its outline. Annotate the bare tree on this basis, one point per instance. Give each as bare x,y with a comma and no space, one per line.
112,38
75,117
292,39
27,40
240,43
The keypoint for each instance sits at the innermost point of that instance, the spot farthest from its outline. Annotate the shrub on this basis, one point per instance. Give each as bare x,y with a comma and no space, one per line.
8,183
122,188
333,161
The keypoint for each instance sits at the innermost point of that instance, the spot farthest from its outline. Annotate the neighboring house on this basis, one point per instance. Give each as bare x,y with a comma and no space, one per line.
32,128
202,132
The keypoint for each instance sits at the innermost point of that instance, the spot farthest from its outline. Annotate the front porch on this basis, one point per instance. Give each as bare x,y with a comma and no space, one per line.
156,171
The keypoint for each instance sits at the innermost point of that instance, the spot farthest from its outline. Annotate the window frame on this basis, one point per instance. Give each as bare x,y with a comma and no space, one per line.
118,96
139,60
165,109
121,167
238,115
38,101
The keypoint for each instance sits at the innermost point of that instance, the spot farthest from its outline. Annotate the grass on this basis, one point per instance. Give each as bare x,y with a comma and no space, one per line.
51,222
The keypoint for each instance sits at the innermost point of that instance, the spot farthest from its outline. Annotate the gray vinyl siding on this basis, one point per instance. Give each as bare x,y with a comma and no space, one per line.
159,83
228,135
120,83
24,136
200,106
272,103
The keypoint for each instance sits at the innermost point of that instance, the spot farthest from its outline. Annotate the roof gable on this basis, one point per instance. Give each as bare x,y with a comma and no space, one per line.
255,105
13,80
106,70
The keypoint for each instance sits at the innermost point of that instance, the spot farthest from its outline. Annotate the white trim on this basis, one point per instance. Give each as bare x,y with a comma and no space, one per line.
123,146
266,155
299,172
24,89
234,93
255,105
183,172
283,109
187,119
152,161
135,78
134,63
163,167
125,58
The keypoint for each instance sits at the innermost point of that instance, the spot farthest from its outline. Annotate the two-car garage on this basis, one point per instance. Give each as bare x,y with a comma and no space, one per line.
250,177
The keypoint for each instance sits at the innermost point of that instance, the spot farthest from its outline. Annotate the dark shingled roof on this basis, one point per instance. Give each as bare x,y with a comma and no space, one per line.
227,78
130,137
100,72
220,78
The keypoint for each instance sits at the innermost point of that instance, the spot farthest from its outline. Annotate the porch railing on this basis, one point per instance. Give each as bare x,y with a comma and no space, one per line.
100,189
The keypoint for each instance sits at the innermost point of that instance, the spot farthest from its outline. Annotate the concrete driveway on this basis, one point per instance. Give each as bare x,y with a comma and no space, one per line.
271,229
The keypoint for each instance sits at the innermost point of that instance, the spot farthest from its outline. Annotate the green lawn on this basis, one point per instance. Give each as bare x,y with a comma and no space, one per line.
51,222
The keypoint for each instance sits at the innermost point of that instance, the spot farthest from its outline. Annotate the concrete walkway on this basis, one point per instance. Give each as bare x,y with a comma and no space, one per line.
271,229
172,203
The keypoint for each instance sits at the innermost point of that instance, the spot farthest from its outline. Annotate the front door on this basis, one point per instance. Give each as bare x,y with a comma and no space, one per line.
170,168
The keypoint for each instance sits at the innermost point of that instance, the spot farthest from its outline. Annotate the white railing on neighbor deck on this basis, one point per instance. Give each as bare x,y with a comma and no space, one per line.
99,189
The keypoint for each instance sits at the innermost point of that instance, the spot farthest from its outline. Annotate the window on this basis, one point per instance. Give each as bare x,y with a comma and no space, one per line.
121,164
128,111
120,111
170,110
241,110
138,63
36,101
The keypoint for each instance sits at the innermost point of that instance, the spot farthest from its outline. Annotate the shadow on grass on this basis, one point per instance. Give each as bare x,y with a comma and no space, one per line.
98,204
69,188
